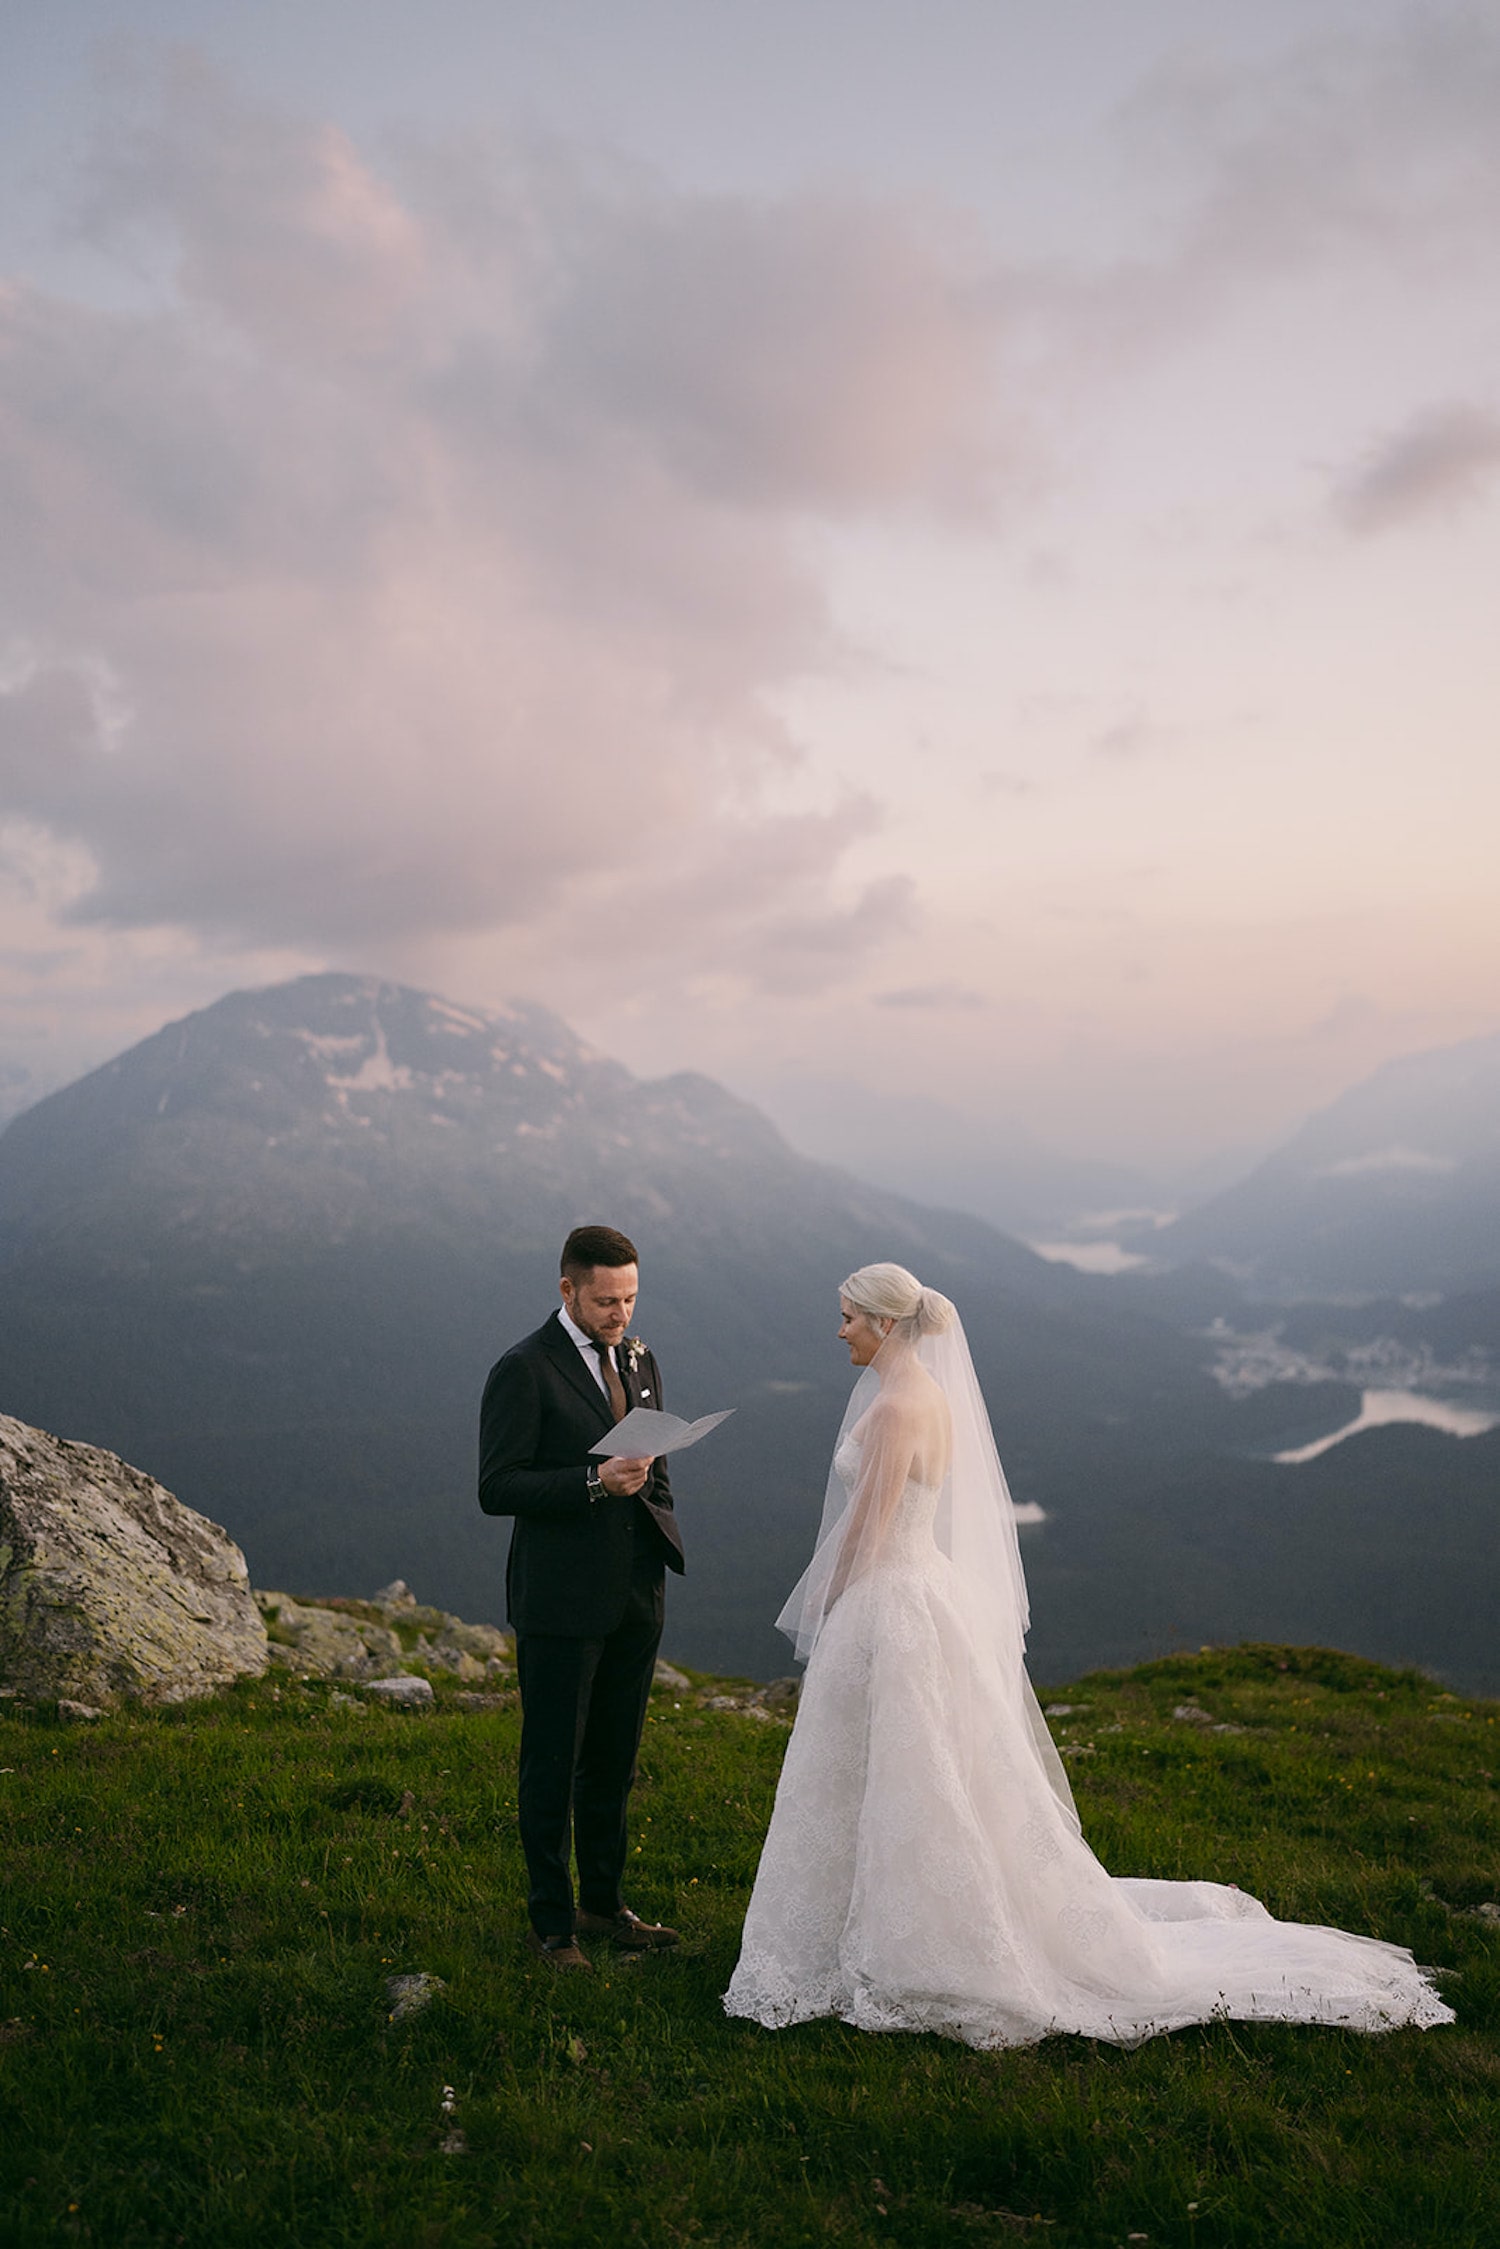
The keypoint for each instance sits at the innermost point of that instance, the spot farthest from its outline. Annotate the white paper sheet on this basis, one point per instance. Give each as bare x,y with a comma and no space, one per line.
645,1434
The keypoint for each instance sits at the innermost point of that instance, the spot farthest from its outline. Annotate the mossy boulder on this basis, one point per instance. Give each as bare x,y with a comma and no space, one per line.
109,1586
319,1642
334,1637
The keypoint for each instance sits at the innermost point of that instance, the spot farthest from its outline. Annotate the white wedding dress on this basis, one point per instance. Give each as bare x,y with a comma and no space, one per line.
925,1871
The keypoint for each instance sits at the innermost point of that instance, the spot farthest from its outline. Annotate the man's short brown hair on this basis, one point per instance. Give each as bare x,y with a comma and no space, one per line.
588,1246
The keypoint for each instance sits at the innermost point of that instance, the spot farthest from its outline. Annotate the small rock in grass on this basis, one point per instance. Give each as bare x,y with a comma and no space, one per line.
408,1995
453,2143
338,1700
775,1704
1188,1714
1065,1709
77,1713
404,1693
668,1675
326,1643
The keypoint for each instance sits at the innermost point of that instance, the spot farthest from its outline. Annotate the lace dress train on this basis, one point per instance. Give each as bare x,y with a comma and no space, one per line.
924,1867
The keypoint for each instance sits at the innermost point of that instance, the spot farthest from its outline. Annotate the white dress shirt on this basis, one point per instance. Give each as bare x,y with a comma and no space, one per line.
588,1348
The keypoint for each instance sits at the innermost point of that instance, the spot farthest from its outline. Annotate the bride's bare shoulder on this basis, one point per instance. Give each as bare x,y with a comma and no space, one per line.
912,1404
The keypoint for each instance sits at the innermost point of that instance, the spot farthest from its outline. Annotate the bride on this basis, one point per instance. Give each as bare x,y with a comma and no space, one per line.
924,1867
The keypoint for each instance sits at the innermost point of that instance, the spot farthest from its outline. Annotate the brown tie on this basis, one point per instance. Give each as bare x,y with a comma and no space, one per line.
612,1383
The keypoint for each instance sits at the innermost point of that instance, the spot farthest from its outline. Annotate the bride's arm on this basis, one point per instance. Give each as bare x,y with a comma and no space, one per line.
890,1442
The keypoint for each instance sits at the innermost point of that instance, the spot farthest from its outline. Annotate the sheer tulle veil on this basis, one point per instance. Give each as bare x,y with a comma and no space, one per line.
975,1521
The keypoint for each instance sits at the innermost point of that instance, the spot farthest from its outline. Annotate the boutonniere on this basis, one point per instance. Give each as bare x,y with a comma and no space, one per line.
634,1351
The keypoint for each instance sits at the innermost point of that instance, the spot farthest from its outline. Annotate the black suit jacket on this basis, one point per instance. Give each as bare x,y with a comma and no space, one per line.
571,1558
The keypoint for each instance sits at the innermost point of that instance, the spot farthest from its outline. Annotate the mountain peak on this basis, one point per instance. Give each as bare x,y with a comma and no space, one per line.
1394,1187
291,1104
336,1053
334,1105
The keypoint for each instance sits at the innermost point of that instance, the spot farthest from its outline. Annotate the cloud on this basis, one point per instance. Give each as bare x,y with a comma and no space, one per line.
1374,140
839,364
1436,462
276,222
812,949
1125,738
997,781
429,557
758,910
1376,150
933,998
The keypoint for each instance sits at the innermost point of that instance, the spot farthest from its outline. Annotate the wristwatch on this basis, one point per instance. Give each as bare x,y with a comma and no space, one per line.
595,1485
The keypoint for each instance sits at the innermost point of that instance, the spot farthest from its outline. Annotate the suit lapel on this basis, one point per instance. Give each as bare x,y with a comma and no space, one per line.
636,1395
568,1359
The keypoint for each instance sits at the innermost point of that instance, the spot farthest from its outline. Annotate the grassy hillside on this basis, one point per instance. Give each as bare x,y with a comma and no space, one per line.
202,1906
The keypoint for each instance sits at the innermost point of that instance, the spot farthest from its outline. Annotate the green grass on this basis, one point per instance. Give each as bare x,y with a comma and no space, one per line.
201,1906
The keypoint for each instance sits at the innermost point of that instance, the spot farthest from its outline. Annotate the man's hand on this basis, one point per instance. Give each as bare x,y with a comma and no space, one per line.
623,1477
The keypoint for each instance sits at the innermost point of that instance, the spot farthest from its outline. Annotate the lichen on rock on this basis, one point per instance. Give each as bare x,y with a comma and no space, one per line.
325,1643
337,1638
109,1585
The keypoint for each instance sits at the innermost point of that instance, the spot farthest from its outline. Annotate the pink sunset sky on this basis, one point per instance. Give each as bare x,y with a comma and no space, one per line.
879,550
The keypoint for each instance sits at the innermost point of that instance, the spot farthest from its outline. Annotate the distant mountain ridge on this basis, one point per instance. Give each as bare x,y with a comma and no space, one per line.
273,1249
328,1087
1393,1189
269,1254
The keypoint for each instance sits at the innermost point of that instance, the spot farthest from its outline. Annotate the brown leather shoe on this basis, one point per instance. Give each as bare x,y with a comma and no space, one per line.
627,1929
558,1952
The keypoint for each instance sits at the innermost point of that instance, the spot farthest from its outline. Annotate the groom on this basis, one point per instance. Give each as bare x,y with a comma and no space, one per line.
583,1587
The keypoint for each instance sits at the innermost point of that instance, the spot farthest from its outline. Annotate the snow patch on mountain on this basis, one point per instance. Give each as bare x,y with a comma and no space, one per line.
1397,1158
377,1073
328,1046
459,1020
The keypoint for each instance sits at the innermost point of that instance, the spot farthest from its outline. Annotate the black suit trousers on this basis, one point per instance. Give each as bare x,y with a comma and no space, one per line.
583,1707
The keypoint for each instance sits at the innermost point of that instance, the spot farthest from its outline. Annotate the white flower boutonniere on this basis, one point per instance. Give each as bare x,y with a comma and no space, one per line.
635,1350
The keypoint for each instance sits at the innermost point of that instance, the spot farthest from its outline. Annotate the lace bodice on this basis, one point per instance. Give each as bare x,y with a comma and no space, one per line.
908,1534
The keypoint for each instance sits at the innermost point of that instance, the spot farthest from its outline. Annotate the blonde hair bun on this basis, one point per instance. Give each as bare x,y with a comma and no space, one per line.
934,1312
890,1292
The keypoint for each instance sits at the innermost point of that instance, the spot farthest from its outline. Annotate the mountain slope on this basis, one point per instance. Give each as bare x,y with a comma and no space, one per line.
269,1255
1392,1189
271,1252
